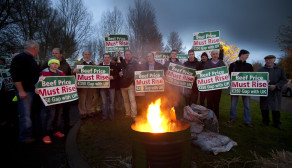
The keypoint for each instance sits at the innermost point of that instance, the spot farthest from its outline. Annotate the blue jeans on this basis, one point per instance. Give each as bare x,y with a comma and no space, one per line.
246,104
52,118
24,108
108,102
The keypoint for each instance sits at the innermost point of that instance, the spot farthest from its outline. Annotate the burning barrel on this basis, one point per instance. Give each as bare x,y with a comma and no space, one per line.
169,147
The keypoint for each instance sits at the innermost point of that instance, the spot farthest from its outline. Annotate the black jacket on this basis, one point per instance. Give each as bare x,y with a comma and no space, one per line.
114,73
157,66
128,70
209,64
24,69
193,64
240,66
166,64
65,67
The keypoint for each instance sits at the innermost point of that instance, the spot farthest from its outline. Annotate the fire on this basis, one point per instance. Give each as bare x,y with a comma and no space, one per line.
154,116
157,121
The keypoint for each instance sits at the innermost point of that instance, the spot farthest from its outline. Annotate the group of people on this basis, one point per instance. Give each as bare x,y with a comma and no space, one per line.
25,73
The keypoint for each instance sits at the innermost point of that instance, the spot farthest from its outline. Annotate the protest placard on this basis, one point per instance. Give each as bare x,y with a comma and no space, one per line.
204,41
7,57
89,76
182,58
213,79
116,42
249,83
7,79
149,81
71,62
180,76
57,89
161,57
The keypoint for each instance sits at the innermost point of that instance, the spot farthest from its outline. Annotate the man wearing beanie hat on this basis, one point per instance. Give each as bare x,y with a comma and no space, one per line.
241,66
277,79
51,115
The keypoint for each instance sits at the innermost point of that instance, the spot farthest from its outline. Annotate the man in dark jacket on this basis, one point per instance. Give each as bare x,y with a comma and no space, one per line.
65,67
109,93
191,95
173,93
214,96
118,93
25,74
151,65
277,79
241,66
127,84
204,59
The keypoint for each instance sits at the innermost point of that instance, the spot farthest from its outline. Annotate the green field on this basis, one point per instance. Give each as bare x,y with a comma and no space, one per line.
108,143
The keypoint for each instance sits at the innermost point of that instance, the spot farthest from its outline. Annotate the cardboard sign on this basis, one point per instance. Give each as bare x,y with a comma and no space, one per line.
57,89
7,57
204,41
213,79
180,76
71,62
149,81
7,79
161,57
114,42
93,76
182,58
249,83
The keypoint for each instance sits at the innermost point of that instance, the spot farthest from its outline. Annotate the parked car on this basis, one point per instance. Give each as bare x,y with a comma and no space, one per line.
287,89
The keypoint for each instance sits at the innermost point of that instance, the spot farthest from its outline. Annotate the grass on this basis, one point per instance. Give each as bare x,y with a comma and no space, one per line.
108,144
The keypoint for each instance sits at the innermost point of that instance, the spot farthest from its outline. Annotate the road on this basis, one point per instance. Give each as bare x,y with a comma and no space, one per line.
286,103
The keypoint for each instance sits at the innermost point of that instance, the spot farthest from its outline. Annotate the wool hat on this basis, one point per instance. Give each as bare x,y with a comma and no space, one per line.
243,52
53,61
270,56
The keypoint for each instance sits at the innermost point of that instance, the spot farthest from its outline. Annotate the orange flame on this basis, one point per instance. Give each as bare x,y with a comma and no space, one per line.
157,121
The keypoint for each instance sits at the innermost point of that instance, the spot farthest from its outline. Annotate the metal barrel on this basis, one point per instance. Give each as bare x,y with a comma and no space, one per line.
159,150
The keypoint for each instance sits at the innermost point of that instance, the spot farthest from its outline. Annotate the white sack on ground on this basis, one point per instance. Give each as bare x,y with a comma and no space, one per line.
205,130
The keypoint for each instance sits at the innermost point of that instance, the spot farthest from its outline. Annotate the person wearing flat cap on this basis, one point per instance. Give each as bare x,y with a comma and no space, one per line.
277,79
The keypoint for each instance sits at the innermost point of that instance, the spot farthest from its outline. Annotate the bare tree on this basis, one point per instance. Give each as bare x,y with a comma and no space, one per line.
284,39
18,21
51,33
174,42
77,25
256,65
143,30
7,13
112,22
40,21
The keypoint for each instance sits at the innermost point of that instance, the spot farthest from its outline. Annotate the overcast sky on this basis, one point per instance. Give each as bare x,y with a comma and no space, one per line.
250,24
